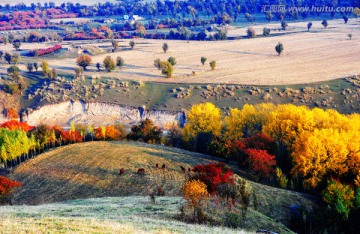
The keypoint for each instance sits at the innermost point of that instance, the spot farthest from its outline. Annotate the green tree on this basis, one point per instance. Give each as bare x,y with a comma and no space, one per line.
165,47
30,67
324,23
251,33
109,63
172,60
279,48
16,44
203,60
120,62
266,32
309,25
36,66
132,44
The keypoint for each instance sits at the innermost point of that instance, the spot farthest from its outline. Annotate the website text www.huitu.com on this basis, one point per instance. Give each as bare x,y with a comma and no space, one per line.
316,9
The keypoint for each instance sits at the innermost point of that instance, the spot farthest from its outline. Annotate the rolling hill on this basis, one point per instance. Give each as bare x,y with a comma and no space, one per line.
91,171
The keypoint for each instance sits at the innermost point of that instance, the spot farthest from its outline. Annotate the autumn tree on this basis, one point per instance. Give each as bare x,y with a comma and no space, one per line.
213,175
84,61
145,131
197,196
6,189
109,63
260,162
212,65
202,118
167,69
45,67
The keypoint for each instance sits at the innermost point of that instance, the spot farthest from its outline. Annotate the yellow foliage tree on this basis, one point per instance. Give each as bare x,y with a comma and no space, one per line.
287,122
248,121
196,194
203,118
319,153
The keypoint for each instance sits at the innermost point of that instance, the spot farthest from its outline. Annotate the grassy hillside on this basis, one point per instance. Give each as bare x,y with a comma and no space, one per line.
105,215
90,170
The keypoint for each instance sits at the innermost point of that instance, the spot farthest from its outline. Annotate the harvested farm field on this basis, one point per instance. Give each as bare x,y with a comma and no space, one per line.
308,57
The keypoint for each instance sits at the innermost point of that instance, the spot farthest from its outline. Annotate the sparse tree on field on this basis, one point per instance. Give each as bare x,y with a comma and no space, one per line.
309,25
13,70
284,25
12,58
11,38
98,66
78,71
251,33
157,64
172,60
120,62
132,44
165,47
350,36
269,16
346,19
203,60
1,54
5,40
266,32
167,69
109,63
7,57
84,61
16,44
115,45
52,74
36,66
279,48
30,67
45,67
213,65
324,23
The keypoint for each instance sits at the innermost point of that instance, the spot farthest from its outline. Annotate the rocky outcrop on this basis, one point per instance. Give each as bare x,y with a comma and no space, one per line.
97,113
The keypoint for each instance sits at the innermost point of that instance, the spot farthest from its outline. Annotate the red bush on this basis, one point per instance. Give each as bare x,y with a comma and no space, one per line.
6,188
14,124
49,50
260,162
212,175
261,142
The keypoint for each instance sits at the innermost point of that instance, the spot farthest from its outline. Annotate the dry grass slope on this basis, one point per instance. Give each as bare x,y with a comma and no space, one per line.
92,170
